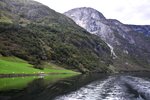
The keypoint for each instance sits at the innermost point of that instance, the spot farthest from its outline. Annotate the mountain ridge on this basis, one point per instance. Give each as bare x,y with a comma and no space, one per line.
131,47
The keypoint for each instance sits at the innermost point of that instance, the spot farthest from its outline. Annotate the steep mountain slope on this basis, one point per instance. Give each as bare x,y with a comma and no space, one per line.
130,49
141,29
36,33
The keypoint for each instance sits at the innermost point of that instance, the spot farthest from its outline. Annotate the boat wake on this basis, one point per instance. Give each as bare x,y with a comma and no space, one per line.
112,88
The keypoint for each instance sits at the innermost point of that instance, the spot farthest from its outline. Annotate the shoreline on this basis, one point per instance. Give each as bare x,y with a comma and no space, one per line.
26,75
45,74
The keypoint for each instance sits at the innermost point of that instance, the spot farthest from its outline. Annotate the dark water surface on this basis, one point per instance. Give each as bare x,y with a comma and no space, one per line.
135,86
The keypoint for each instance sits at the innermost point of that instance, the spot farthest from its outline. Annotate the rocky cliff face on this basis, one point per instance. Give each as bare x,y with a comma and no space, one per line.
130,48
95,23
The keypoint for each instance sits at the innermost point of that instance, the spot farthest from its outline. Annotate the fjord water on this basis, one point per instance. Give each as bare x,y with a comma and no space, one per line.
135,86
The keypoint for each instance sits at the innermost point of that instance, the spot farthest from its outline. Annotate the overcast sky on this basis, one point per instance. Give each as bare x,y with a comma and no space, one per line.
126,11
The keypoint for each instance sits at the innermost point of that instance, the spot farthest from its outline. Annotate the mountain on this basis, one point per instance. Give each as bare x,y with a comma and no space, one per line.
129,44
145,29
34,32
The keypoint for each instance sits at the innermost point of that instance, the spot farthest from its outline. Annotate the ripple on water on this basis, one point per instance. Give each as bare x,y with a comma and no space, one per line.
140,85
112,88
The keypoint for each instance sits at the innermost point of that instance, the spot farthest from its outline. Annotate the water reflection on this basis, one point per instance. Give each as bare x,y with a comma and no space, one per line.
15,82
45,88
80,87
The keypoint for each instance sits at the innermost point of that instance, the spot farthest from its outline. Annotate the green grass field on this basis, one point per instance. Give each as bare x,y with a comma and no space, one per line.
14,65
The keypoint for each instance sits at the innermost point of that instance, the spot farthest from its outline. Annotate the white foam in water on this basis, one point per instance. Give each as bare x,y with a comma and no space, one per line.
89,92
140,85
109,89
112,88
